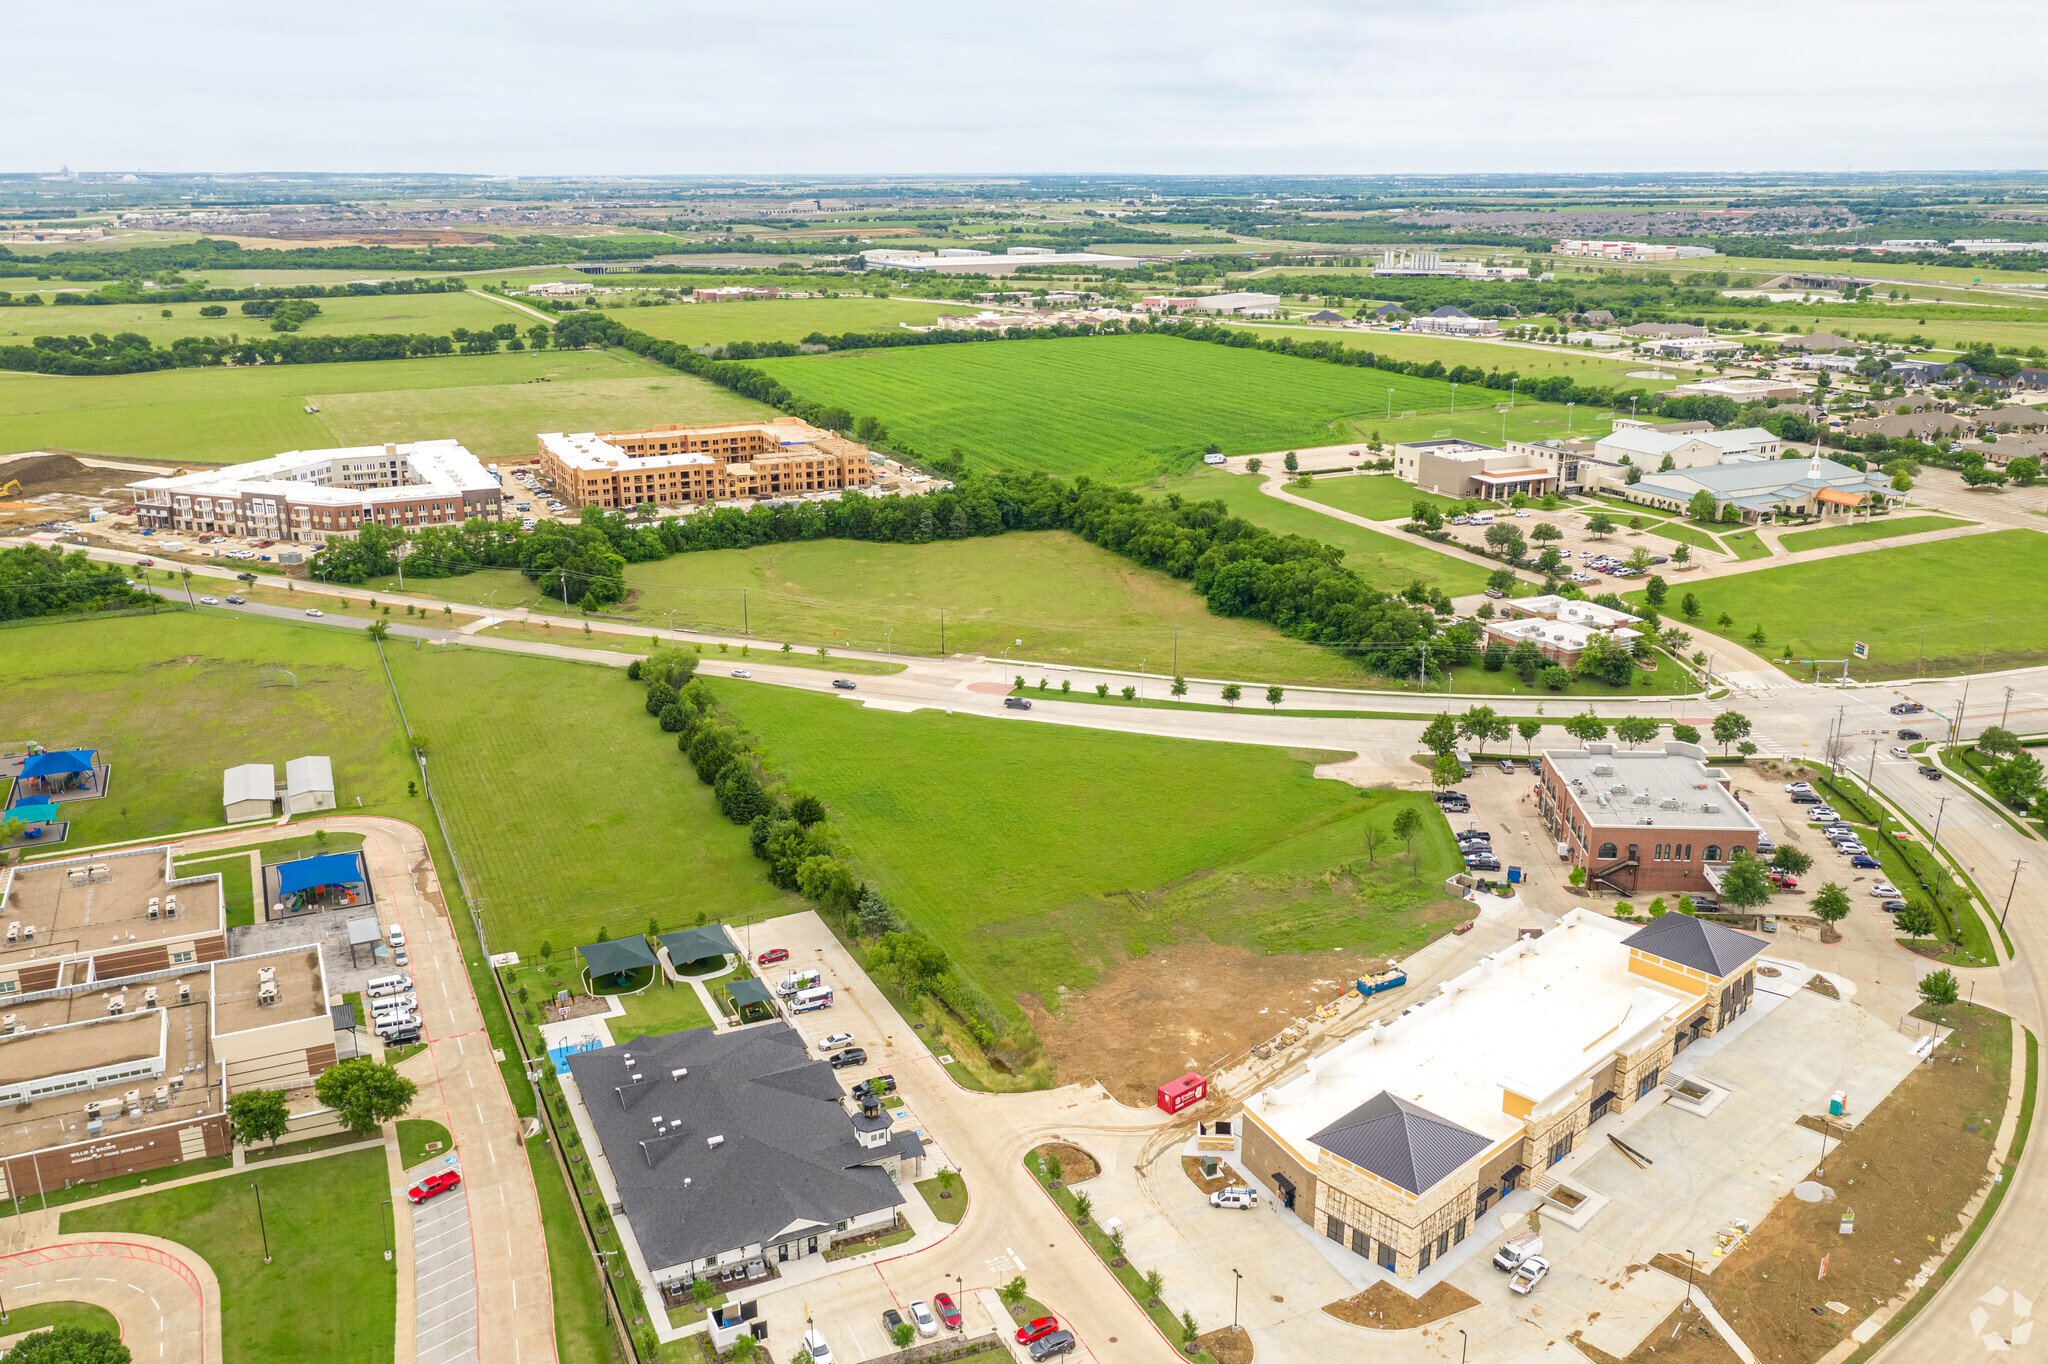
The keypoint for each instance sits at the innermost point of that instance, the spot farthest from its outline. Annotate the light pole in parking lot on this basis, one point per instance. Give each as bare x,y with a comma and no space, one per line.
1235,1284
385,1227
1464,1344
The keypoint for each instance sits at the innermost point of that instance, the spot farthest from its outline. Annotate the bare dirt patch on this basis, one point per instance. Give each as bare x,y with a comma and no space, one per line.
1384,1308
40,474
1684,1337
1226,1177
1231,1345
1185,1007
1076,1165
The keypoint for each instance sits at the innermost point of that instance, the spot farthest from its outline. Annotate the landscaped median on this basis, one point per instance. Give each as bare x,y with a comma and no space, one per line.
1177,1330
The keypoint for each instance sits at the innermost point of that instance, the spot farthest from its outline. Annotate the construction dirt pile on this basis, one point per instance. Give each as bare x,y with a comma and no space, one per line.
40,474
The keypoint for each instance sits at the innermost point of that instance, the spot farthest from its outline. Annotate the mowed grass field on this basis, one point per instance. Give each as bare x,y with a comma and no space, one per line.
1376,497
1388,562
1889,528
952,816
1120,407
780,319
172,700
328,1292
1975,599
1067,600
494,404
570,808
433,314
1586,367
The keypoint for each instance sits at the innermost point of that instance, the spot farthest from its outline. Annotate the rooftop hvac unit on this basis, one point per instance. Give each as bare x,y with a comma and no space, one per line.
1603,769
8,1025
266,993
713,1143
177,1082
13,930
266,974
163,1094
133,1096
93,1127
28,931
93,1107
1619,788
154,911
1668,803
149,998
184,992
1709,808
172,909
1601,796
1642,798
118,1004
679,1072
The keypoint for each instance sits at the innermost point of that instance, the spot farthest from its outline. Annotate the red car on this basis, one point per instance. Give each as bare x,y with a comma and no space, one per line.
1782,881
145,563
434,1184
1043,1326
942,1303
771,956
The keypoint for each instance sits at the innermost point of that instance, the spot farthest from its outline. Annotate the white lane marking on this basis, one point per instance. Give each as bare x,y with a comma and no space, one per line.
492,1151
458,1044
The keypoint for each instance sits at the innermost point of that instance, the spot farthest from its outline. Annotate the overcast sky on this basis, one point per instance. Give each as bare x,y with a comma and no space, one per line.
809,87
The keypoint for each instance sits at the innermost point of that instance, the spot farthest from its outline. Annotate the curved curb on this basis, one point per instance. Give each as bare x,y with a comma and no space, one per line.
177,1262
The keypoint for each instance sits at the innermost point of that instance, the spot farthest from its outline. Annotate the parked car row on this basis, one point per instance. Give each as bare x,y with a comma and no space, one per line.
1476,846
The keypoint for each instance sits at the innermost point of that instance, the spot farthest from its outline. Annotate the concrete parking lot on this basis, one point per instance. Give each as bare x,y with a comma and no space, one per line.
444,1278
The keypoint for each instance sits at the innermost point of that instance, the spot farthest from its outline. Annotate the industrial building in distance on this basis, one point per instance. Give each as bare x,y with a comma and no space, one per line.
308,495
667,465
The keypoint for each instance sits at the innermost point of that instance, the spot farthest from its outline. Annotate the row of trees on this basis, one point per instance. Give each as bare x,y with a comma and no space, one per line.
48,582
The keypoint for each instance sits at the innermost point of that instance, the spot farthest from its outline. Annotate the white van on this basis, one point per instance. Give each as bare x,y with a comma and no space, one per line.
1482,518
385,1008
798,981
808,1000
378,986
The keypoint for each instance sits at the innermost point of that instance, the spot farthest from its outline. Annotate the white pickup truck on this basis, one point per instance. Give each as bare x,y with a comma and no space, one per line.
1234,1198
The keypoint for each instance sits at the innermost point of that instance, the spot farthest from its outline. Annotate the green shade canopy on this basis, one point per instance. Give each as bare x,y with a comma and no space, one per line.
695,944
749,991
623,954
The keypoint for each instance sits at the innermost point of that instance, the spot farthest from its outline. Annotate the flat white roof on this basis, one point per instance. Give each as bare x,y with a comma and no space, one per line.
1533,1018
1649,788
427,468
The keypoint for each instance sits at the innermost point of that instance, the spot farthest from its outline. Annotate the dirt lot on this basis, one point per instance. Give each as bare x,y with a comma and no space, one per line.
1905,1172
41,474
1185,1007
1684,1337
1076,1165
1385,1308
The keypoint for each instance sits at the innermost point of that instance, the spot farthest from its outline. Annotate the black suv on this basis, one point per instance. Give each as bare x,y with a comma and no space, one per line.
852,1056
1017,702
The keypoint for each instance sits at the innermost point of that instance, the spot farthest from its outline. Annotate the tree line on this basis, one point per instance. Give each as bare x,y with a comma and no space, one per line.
48,582
125,291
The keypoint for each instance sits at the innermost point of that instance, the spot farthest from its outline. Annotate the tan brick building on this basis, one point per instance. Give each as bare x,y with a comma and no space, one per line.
672,465
1395,1142
1645,822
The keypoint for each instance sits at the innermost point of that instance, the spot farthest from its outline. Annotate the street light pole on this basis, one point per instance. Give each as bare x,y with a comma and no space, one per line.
265,1230
2008,708
2017,864
385,1227
1688,1277
1235,1285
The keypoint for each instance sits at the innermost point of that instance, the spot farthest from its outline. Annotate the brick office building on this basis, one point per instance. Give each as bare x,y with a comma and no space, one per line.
1644,823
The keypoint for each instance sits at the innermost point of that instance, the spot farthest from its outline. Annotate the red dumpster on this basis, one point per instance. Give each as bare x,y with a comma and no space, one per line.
1178,1094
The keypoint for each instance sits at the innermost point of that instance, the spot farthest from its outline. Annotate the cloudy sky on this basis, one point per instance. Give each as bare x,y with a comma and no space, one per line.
910,86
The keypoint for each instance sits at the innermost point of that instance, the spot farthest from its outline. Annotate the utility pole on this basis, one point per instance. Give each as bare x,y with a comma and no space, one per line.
2017,864
1870,777
2008,708
565,587
746,628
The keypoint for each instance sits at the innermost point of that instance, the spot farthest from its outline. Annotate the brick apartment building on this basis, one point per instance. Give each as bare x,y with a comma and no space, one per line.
669,465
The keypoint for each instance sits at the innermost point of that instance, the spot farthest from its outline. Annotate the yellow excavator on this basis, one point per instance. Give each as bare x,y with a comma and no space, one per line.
12,485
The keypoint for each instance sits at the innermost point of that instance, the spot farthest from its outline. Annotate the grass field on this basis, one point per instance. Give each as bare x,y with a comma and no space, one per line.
1122,407
170,701
327,1293
1385,561
610,828
494,404
1887,598
780,319
1586,367
434,314
1376,497
45,1315
1891,526
1158,838
1069,601
1746,544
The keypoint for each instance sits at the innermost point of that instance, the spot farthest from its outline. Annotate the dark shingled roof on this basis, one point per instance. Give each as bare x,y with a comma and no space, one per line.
1449,310
789,1165
1402,1144
1699,943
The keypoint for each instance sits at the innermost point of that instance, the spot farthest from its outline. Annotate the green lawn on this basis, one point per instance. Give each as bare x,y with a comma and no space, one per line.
1691,535
237,887
1884,529
607,828
415,1135
1745,544
1886,598
1585,367
44,1315
1158,838
407,314
1067,600
947,1209
781,319
661,1007
1386,560
1122,407
1376,497
328,1292
172,700
495,404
